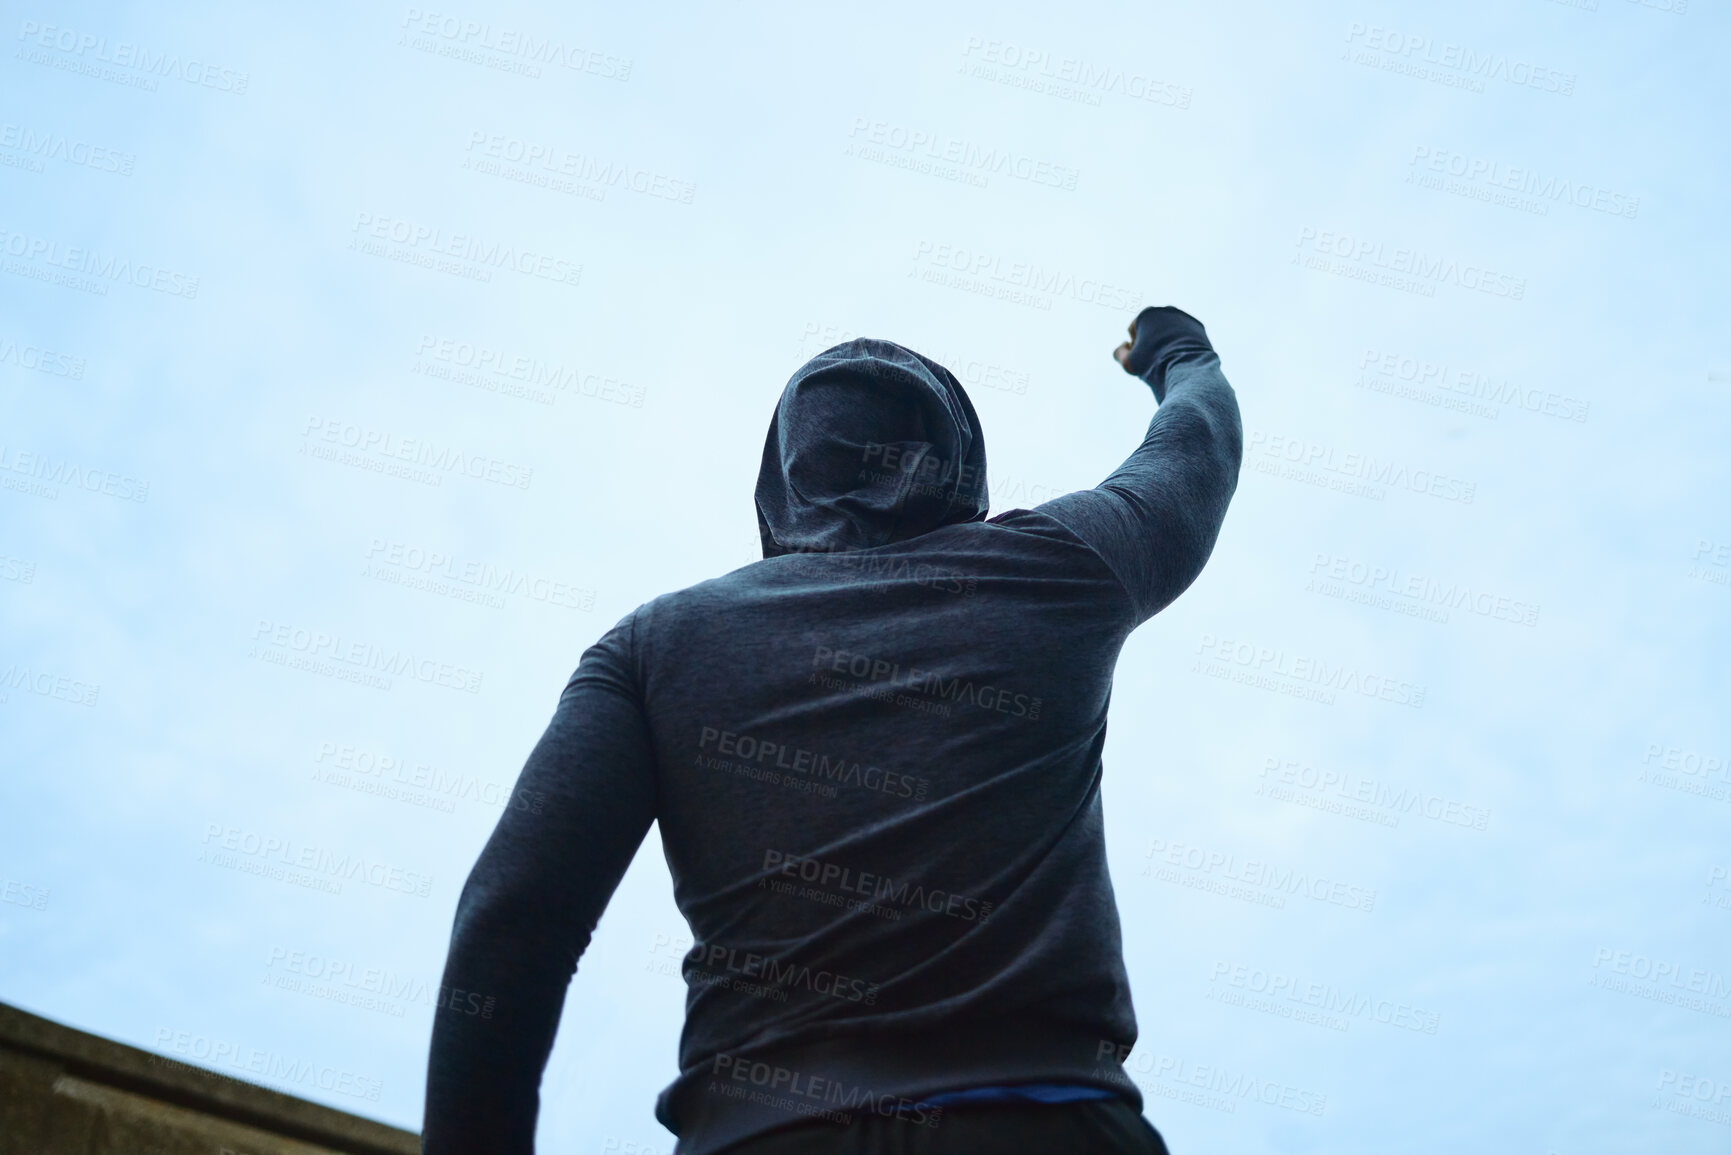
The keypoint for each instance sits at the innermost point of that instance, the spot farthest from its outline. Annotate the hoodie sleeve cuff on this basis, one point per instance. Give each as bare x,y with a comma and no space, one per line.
1164,335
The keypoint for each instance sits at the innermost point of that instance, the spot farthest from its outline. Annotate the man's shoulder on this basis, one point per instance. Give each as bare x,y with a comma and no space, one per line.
702,597
1039,524
1002,546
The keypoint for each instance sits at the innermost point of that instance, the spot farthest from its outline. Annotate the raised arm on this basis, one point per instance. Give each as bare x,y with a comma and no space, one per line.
581,807
1155,519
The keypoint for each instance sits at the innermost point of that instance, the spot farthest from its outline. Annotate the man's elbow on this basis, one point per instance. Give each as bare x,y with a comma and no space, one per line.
1224,430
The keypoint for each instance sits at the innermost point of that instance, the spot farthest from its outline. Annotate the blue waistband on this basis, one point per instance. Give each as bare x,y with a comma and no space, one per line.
1022,1093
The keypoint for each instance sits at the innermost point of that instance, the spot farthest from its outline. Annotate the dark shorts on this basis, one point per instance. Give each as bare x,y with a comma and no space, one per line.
1104,1126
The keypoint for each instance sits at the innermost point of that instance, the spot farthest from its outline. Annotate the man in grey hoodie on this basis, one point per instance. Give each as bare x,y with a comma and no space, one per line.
875,757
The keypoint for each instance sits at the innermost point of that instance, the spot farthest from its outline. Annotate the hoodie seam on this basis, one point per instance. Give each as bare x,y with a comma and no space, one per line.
1072,538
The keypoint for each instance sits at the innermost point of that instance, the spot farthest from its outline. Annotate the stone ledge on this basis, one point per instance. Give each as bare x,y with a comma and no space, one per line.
64,1091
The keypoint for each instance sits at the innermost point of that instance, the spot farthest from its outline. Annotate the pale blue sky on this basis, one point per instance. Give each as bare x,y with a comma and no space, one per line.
1259,166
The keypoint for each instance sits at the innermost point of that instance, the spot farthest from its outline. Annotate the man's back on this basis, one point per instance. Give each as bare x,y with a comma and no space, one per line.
879,784
875,758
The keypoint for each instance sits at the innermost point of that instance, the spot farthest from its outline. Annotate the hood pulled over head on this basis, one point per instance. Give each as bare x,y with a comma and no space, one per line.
871,443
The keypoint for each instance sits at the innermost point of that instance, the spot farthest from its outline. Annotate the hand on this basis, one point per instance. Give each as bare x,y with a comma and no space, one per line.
1122,353
1157,329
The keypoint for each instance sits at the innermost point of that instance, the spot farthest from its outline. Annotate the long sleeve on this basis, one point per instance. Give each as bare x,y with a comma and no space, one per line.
1156,518
581,807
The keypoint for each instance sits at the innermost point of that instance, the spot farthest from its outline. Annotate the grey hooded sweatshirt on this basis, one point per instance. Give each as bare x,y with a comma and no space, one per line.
875,758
